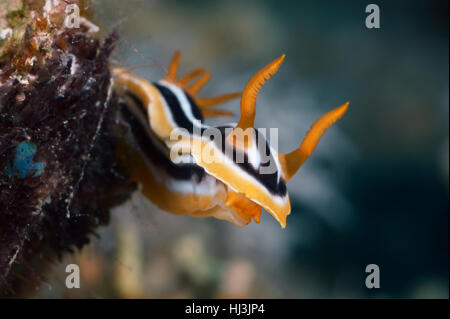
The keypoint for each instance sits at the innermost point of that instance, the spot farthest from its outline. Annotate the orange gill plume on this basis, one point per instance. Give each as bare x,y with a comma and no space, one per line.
194,88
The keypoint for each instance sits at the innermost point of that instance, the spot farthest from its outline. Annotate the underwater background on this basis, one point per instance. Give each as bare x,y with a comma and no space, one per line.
375,191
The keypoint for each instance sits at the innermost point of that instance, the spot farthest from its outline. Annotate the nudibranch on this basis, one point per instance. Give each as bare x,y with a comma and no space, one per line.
183,188
221,186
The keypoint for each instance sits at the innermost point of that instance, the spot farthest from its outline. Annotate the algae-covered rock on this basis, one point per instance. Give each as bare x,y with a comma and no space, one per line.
58,177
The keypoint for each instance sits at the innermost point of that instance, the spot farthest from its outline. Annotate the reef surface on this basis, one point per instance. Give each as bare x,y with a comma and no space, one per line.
58,136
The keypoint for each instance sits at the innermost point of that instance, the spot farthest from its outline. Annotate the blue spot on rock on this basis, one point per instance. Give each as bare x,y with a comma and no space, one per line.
23,165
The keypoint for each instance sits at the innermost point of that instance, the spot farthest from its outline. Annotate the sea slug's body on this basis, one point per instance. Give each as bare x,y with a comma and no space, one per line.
186,188
221,186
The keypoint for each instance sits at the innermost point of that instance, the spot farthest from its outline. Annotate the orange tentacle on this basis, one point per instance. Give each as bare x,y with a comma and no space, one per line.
291,162
250,94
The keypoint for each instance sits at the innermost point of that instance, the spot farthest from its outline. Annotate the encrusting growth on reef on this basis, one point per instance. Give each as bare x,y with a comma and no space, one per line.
58,175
